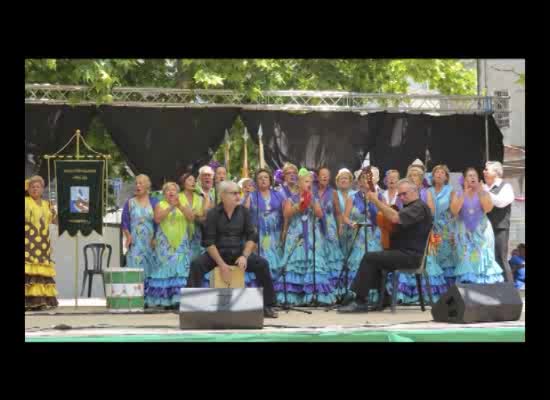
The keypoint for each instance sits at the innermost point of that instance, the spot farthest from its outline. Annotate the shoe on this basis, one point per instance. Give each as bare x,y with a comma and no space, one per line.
348,299
354,308
270,313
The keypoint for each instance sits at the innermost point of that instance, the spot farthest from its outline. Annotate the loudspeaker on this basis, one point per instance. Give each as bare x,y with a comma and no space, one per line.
205,308
467,303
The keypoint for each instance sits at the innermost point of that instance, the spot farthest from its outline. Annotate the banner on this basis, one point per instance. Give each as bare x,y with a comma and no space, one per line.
80,196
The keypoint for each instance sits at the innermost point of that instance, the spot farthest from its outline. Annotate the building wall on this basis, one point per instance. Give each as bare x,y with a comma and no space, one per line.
499,74
63,254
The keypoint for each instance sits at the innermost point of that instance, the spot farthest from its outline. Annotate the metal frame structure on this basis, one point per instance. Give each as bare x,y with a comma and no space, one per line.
277,100
283,100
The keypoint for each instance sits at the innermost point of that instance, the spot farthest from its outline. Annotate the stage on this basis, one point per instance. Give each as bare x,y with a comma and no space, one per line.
91,322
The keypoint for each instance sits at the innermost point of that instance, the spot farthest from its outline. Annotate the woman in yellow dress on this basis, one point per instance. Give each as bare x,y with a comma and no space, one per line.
40,291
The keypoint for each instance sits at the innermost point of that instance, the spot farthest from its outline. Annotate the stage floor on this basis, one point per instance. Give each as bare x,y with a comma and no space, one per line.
90,323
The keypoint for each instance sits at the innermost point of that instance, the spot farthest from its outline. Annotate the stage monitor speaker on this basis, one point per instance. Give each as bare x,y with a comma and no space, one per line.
226,308
468,303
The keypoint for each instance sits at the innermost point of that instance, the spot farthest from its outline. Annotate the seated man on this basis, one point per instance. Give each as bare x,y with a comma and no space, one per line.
517,264
407,243
227,227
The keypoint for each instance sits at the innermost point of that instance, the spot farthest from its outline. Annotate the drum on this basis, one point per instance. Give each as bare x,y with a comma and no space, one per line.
237,278
124,289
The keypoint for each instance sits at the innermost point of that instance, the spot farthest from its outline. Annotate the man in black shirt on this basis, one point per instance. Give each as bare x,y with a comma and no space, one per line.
227,227
407,243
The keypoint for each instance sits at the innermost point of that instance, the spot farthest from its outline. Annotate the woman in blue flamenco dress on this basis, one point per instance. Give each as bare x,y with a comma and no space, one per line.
474,239
355,213
344,180
139,227
441,261
298,255
328,223
173,250
266,212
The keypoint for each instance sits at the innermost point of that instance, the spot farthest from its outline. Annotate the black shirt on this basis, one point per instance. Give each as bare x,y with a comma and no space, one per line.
412,232
229,235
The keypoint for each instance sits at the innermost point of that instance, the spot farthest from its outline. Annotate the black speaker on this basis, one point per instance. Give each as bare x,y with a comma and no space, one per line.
467,303
227,308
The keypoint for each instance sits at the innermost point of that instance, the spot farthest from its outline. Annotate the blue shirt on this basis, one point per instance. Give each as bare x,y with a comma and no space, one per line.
519,275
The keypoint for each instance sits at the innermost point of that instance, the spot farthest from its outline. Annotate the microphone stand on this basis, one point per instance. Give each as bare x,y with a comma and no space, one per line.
366,221
258,221
344,273
285,305
314,301
366,226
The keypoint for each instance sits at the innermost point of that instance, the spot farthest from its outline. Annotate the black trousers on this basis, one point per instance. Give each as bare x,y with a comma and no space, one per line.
501,253
369,274
256,264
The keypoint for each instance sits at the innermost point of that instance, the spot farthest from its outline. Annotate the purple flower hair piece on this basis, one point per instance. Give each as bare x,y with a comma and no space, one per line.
314,177
214,164
461,180
278,176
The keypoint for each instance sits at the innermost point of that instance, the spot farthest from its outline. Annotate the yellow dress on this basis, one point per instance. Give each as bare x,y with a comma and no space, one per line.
40,288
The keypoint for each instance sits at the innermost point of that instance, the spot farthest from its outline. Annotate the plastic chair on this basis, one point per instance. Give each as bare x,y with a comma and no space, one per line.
97,249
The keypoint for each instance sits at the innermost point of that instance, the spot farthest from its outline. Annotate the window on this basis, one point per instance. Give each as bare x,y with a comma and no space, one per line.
502,108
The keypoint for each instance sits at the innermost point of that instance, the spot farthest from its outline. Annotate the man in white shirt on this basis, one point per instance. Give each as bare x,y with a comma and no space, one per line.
205,186
502,195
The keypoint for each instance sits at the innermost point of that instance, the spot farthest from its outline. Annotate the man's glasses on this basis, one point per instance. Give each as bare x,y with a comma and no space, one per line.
401,194
234,193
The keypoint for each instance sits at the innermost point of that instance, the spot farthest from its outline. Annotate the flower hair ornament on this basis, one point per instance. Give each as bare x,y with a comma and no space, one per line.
278,176
314,177
303,172
214,164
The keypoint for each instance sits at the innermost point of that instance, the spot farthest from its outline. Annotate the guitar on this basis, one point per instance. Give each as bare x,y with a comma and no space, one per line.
386,226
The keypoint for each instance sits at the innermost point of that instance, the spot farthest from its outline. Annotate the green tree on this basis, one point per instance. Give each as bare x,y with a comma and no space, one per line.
251,76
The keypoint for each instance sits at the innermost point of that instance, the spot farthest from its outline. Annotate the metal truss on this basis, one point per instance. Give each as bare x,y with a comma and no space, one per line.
276,100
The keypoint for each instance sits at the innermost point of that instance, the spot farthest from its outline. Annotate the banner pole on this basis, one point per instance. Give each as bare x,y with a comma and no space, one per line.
76,237
76,271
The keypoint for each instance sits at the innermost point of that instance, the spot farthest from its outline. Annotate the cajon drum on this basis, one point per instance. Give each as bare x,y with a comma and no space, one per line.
124,289
237,278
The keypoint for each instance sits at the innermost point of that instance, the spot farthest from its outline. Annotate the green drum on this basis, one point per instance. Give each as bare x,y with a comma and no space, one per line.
124,289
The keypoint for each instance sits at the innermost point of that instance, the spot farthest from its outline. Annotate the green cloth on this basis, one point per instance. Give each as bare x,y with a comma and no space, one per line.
212,192
196,207
173,226
436,335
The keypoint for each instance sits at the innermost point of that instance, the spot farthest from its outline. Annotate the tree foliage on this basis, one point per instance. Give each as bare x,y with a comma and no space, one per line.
251,76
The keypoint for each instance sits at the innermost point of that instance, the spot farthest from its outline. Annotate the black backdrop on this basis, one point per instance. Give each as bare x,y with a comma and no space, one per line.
394,140
310,140
49,127
164,142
